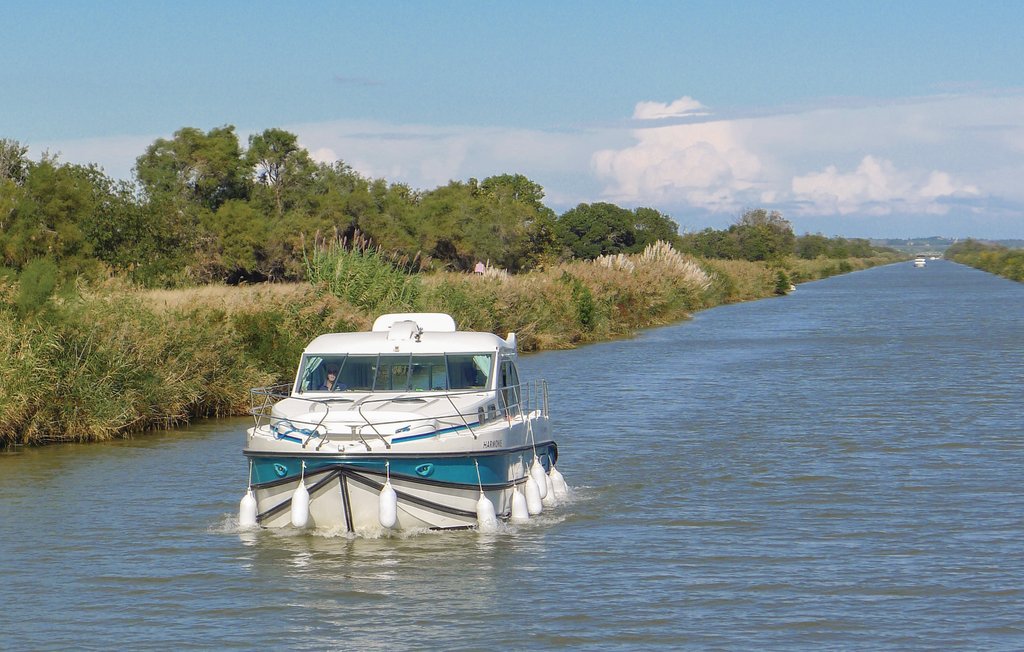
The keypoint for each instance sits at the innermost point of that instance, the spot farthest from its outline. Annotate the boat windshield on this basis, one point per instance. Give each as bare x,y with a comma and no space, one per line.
395,373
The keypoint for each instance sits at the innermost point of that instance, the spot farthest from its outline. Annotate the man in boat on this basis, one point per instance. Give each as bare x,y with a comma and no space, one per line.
332,375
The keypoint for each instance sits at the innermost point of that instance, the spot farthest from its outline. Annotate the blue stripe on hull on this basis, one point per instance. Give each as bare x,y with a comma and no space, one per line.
453,470
442,431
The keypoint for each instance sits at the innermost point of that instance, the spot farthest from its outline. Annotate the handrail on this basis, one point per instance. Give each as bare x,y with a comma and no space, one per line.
359,409
526,399
462,416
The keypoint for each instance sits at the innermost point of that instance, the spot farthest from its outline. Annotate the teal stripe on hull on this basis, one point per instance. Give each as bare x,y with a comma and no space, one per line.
453,470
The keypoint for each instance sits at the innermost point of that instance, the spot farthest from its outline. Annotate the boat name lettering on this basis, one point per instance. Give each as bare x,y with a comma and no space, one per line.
494,443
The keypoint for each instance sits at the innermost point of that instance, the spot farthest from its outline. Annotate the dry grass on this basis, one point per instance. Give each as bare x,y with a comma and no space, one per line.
740,280
227,297
117,360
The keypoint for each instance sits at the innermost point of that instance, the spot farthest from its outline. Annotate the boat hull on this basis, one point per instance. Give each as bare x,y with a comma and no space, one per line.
438,491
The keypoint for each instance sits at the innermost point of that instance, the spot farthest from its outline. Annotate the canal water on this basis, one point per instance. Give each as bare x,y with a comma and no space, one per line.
833,470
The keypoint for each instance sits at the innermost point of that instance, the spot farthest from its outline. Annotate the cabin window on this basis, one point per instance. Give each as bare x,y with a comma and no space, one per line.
428,373
395,373
359,373
469,371
392,374
317,372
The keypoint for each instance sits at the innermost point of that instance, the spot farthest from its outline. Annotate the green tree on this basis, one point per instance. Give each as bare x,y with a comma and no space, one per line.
236,252
711,243
763,235
514,188
279,164
653,225
46,218
151,242
14,166
392,221
13,161
519,228
205,168
445,220
810,246
592,230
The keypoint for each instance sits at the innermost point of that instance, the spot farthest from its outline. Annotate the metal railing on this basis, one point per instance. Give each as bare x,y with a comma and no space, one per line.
513,402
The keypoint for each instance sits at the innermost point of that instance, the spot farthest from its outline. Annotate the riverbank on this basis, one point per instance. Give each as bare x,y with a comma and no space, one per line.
995,259
114,361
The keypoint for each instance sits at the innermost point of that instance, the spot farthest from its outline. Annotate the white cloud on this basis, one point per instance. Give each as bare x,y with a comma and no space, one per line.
877,187
924,157
706,164
684,106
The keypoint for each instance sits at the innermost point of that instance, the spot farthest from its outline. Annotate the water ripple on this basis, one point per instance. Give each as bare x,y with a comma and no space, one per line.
833,470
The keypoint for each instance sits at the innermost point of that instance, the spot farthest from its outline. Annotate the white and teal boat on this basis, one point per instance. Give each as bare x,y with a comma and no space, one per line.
412,425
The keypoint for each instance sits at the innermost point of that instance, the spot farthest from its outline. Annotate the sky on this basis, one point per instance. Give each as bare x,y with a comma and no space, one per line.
856,119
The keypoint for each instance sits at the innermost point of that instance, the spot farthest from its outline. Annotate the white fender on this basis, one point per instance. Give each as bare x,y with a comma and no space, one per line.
520,513
534,505
388,506
549,497
558,483
247,510
486,521
537,471
300,505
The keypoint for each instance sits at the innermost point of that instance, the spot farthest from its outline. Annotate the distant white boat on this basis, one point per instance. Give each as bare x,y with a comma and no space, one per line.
919,261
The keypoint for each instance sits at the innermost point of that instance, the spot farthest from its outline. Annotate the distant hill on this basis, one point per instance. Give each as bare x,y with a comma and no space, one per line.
935,244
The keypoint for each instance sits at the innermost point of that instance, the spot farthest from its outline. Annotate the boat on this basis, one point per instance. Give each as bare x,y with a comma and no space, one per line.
413,425
919,261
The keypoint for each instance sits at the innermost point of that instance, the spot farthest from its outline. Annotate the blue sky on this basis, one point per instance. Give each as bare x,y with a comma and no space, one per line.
888,119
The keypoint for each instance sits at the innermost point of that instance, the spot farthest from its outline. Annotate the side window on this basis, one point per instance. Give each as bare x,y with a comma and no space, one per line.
509,382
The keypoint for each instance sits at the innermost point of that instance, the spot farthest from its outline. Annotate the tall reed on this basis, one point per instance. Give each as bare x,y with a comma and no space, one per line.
115,361
362,274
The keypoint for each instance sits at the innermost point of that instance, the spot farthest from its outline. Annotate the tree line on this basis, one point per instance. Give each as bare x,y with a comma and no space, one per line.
204,208
990,257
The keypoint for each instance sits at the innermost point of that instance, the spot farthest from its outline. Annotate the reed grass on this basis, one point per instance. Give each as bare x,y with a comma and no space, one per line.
576,302
114,361
1008,263
365,276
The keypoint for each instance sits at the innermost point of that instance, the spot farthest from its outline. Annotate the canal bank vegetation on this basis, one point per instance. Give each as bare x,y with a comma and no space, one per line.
126,307
993,258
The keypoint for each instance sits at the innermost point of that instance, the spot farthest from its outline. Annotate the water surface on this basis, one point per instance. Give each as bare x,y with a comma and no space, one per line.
836,469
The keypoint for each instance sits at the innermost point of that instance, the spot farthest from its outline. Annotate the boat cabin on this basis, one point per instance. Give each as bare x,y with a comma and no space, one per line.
408,352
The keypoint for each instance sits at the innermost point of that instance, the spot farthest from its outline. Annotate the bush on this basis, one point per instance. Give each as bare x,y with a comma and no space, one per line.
782,283
37,283
364,276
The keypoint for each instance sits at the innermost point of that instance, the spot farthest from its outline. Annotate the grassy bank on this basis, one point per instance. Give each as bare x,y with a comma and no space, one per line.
113,361
995,259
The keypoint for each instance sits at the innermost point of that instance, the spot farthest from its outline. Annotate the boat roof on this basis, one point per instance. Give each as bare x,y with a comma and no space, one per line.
421,333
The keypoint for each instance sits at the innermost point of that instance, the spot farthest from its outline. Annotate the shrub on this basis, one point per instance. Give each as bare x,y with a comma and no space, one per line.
782,283
364,276
37,283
